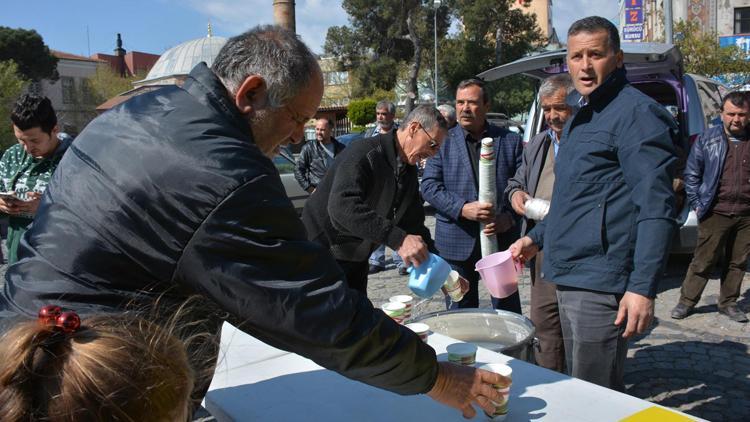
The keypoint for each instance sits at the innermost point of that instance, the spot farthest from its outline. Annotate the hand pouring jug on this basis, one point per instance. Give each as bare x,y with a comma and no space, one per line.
429,277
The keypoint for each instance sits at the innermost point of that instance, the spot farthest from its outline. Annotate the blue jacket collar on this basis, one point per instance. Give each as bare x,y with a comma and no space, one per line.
611,86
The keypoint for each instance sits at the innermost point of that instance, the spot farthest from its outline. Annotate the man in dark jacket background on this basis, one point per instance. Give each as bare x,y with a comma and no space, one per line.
371,196
717,183
535,179
317,156
186,201
611,219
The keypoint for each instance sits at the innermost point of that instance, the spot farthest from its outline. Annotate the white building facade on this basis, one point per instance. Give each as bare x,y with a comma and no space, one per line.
70,94
728,19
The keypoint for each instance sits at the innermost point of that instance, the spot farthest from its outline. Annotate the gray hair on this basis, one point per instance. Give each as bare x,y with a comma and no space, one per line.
555,83
386,105
275,54
595,24
427,116
448,109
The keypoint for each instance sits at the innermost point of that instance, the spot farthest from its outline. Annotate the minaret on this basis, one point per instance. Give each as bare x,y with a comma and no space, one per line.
120,53
283,14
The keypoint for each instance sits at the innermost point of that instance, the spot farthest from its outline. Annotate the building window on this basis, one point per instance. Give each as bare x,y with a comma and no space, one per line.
68,89
742,20
336,78
87,93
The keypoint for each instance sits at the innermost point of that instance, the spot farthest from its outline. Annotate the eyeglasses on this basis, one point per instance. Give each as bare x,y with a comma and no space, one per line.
433,143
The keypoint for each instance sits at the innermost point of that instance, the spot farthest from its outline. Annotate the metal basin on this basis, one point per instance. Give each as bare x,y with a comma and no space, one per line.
501,331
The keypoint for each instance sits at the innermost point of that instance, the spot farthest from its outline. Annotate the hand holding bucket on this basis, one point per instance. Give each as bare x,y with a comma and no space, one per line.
499,273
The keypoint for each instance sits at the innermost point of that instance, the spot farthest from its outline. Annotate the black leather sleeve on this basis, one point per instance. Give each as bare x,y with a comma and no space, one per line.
302,168
251,256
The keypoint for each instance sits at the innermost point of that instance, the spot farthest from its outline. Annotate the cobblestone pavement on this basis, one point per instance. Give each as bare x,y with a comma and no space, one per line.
699,365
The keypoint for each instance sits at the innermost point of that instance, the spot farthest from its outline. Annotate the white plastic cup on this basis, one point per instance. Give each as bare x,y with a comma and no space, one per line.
406,300
394,310
501,408
536,209
422,330
462,353
453,286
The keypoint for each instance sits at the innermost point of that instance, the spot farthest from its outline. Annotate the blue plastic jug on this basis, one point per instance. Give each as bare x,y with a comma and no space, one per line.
429,277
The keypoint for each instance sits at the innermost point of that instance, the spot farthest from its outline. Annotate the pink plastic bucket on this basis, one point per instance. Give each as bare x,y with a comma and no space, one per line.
498,271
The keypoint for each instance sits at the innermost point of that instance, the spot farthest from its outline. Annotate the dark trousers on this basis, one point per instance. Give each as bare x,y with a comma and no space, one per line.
356,274
717,233
594,348
471,300
545,314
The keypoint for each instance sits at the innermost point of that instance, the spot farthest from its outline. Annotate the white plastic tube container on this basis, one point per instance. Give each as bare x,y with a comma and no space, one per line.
487,191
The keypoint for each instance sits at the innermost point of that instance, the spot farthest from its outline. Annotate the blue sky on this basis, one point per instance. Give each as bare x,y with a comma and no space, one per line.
156,25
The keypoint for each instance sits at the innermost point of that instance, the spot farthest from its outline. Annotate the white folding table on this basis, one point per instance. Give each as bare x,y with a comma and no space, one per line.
256,382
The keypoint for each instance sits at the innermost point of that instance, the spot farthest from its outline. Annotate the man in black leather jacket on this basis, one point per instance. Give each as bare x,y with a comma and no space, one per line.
172,194
317,156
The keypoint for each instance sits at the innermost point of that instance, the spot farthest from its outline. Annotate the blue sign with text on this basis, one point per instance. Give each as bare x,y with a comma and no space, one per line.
632,32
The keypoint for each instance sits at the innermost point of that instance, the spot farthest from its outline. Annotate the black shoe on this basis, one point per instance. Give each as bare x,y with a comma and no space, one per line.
681,311
402,271
734,313
375,269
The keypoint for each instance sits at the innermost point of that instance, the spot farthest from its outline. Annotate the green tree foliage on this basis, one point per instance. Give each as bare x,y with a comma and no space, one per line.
383,35
106,83
27,49
702,55
361,112
476,49
512,95
11,86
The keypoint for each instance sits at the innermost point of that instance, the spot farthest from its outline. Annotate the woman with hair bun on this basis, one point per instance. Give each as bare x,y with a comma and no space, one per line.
104,368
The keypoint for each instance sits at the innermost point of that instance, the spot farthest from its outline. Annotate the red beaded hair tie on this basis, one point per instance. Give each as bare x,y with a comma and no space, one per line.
52,316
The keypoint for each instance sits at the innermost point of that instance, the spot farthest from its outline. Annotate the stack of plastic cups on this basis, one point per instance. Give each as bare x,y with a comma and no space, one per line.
420,329
395,311
462,353
407,301
453,287
536,209
501,408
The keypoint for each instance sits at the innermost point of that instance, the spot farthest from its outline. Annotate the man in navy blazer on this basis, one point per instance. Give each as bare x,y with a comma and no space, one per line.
450,184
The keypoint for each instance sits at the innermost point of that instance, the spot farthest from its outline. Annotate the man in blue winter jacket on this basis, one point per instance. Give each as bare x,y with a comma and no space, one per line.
611,221
716,185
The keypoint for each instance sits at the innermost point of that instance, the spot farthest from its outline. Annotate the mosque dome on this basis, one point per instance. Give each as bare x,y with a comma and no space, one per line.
180,60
